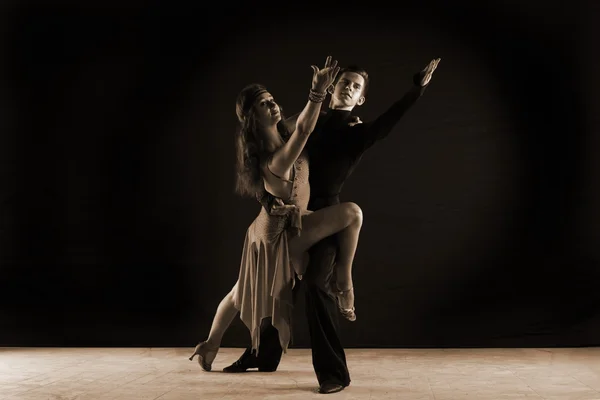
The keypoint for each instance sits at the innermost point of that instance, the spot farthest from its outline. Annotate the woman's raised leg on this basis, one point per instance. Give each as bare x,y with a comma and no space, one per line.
343,219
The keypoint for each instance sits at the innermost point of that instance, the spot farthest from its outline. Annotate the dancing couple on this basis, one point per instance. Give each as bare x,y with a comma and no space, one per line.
303,231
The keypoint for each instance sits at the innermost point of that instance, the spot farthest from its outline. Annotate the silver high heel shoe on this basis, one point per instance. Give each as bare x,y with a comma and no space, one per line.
348,313
205,353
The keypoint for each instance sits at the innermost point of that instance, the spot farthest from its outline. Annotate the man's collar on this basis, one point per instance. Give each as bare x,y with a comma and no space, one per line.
339,112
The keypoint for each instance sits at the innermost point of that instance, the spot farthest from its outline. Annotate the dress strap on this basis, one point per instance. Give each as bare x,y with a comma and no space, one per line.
269,187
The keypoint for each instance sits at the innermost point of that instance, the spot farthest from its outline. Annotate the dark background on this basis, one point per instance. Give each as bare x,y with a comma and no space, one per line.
119,225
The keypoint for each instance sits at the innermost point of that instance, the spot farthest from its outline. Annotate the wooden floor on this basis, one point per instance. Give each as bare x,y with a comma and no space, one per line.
158,373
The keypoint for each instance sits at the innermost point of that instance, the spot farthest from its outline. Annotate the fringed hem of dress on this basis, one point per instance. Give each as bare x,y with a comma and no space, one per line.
267,276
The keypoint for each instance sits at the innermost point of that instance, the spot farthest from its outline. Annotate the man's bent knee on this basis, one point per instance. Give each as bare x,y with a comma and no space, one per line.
319,279
321,282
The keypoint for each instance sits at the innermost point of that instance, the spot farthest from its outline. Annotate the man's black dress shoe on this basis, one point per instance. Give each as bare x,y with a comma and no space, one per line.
245,363
327,388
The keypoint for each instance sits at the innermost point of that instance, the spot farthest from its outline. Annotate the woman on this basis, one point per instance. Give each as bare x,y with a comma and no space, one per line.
271,161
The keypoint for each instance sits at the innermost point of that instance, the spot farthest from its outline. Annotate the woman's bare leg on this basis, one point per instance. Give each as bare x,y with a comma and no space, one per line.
343,219
207,350
348,241
224,316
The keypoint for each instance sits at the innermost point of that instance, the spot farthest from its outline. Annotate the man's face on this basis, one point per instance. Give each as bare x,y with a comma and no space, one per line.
347,92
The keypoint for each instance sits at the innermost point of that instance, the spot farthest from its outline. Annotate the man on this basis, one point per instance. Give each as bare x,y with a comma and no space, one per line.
334,148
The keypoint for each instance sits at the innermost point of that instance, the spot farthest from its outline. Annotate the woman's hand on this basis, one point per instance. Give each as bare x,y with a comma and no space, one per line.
322,78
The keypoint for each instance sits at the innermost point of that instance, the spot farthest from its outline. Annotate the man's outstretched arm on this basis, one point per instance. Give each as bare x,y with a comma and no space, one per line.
368,133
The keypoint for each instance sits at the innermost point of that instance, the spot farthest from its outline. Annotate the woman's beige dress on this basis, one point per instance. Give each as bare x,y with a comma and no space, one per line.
266,274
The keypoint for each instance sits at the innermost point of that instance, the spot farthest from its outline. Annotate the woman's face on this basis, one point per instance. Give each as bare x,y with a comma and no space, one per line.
267,111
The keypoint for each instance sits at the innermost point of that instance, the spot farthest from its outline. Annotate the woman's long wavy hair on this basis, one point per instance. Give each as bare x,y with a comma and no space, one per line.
250,147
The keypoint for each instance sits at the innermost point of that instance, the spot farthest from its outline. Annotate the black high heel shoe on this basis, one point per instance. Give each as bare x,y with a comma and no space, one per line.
348,313
204,351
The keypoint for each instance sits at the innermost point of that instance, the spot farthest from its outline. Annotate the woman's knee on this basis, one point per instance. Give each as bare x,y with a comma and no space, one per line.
353,213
